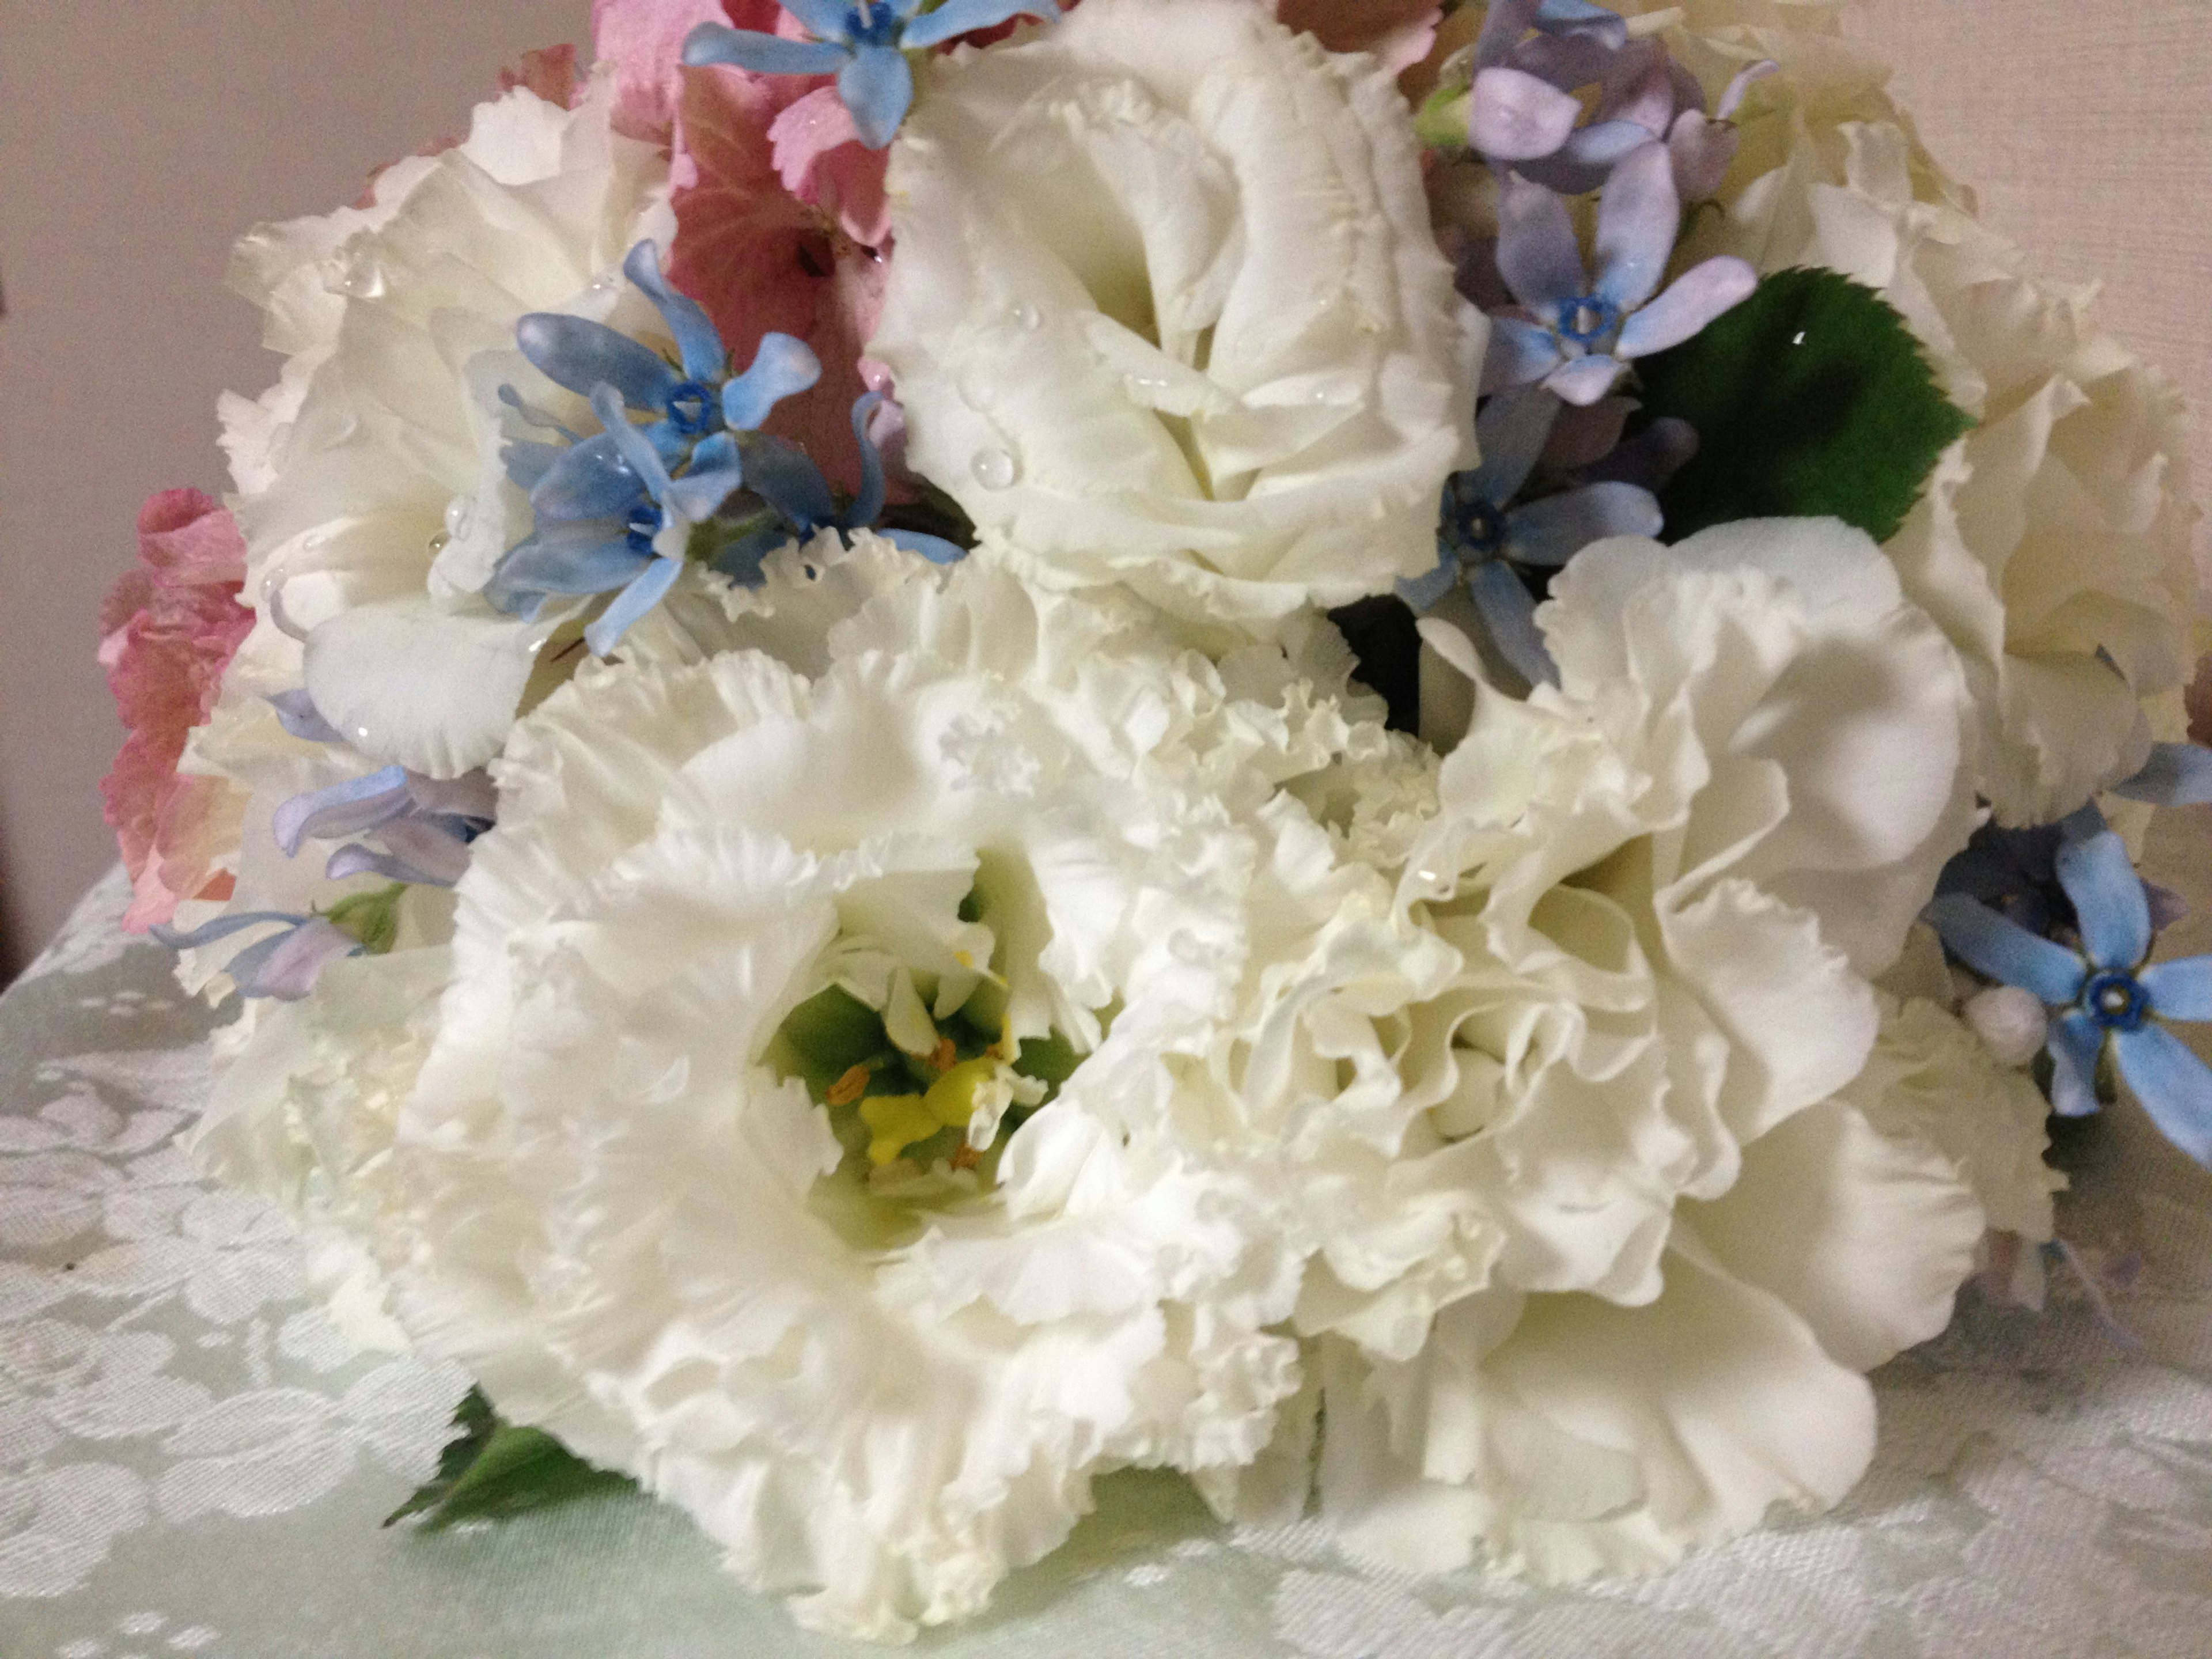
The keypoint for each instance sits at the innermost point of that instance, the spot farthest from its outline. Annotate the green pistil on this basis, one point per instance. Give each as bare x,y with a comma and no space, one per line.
371,918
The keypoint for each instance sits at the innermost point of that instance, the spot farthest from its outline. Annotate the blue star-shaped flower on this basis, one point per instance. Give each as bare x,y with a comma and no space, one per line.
2104,989
864,45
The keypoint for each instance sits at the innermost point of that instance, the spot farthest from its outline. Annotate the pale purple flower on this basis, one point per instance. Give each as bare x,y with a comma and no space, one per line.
1576,335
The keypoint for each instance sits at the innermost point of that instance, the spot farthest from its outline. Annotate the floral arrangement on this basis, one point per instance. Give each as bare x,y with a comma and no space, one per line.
1383,751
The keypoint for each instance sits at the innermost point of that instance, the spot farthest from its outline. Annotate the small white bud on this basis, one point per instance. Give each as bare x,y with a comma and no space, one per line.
2010,1022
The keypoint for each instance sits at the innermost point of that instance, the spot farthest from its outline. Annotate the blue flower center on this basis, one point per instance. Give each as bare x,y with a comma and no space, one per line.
644,525
693,410
1586,320
871,23
2117,1001
1474,523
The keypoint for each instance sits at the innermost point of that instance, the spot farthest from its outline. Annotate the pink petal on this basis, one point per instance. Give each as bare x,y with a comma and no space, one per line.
644,41
549,72
758,258
1385,28
170,627
821,161
1517,118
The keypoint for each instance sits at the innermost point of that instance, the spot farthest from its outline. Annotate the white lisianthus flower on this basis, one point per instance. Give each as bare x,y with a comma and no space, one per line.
2054,543
807,1132
1167,310
1550,1311
372,493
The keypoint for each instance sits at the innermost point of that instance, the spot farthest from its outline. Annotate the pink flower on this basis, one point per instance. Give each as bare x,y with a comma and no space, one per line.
168,629
759,258
781,220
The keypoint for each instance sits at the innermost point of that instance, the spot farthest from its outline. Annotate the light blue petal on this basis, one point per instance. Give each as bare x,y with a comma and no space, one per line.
695,496
2109,900
712,44
825,20
1586,380
877,86
958,17
355,859
1509,613
296,714
341,809
1520,353
1422,592
868,506
2000,949
590,481
2178,774
1638,217
698,342
740,559
2173,1085
1511,434
527,462
779,473
221,928
2076,1041
438,857
651,587
1563,16
1537,253
1691,301
782,367
2180,989
636,449
1550,531
286,967
935,548
580,353
589,557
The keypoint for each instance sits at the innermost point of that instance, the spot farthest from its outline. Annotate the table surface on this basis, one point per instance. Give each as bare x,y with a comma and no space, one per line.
191,1462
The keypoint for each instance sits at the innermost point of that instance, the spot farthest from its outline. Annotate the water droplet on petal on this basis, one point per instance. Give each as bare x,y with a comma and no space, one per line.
460,513
1028,317
439,543
995,469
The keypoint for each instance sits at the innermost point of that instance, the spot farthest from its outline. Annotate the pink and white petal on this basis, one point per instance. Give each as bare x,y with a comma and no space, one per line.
644,41
1692,300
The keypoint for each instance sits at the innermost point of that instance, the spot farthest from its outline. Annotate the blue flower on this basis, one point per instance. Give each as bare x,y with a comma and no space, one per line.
803,505
1482,537
615,511
1577,335
283,965
2105,988
423,825
863,43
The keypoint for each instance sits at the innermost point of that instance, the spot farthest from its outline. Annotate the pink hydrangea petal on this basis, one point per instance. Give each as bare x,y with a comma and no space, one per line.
820,158
758,259
644,38
170,627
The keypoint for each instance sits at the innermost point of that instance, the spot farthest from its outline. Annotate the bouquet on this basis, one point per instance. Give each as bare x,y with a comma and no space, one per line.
1386,752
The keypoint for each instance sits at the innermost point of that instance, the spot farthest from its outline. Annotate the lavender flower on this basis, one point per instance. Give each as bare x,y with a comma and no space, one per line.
1577,336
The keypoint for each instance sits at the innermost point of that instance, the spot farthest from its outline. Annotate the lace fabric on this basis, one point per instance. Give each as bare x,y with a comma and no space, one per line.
193,1463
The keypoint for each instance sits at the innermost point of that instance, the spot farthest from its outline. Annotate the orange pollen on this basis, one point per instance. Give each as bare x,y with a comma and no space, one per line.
849,1088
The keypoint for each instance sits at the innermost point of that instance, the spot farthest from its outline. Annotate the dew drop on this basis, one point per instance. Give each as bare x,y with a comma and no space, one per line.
357,274
460,513
1028,317
438,543
995,469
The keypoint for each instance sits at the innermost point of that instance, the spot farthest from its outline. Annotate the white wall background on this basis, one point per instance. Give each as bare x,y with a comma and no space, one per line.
139,138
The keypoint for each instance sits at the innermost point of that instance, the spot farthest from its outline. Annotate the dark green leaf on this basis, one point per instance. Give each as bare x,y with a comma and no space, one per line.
493,1469
1811,398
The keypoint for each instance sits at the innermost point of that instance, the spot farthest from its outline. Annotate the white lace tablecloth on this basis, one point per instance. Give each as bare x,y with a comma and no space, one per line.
190,1462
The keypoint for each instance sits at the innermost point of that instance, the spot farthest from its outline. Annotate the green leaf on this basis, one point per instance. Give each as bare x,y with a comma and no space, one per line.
1810,399
493,1469
372,918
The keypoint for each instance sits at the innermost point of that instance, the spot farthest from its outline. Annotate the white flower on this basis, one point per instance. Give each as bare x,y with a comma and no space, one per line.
2053,543
1606,1234
1167,310
372,496
877,1346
